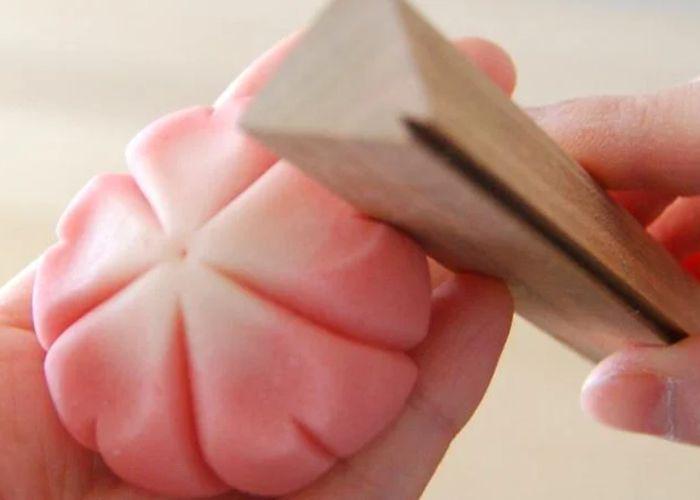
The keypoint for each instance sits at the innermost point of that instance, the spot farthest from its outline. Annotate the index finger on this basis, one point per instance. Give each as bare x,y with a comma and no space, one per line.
646,142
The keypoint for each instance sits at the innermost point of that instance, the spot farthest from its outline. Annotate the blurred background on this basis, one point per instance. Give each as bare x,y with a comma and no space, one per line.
79,78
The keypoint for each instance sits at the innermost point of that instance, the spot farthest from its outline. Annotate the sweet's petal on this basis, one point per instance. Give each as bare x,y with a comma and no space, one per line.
277,397
311,252
109,236
192,163
119,380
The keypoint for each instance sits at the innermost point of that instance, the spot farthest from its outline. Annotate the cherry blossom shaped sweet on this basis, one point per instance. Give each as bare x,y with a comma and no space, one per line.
215,320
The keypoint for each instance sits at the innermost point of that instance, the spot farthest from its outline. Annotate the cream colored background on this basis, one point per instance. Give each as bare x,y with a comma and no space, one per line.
78,78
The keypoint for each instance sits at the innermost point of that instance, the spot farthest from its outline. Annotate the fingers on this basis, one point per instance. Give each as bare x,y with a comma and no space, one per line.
656,390
16,300
471,320
37,458
649,142
650,390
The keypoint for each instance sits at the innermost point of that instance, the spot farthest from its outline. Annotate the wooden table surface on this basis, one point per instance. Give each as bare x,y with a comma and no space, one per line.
78,79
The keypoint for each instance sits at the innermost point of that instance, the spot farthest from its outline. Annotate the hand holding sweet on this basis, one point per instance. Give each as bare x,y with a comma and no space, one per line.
373,305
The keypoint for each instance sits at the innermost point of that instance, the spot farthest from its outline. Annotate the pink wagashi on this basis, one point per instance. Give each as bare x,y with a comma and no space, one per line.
216,320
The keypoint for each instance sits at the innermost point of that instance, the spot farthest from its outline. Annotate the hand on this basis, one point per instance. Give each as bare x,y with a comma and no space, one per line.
646,150
470,321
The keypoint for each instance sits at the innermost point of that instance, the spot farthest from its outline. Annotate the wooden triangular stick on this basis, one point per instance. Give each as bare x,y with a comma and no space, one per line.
379,107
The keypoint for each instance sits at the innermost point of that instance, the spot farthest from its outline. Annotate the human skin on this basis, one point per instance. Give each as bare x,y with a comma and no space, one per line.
470,320
645,149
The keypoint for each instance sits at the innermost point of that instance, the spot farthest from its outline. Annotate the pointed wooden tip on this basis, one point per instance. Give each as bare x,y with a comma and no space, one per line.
384,111
353,74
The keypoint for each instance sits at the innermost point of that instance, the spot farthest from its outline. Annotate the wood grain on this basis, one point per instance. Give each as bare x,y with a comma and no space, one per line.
379,107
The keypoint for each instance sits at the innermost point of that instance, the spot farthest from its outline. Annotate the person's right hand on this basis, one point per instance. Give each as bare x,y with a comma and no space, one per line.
645,150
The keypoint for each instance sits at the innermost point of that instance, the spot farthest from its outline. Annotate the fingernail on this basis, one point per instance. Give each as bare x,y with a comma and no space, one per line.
632,401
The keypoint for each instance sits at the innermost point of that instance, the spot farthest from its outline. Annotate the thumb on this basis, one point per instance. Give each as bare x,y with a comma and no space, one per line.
652,390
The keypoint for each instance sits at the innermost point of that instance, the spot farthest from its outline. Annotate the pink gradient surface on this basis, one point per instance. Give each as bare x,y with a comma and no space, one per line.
214,320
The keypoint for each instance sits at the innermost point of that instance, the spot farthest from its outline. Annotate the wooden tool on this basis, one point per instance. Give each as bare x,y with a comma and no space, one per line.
380,108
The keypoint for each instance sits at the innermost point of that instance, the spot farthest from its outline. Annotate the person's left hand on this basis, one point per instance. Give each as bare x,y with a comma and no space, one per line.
471,318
